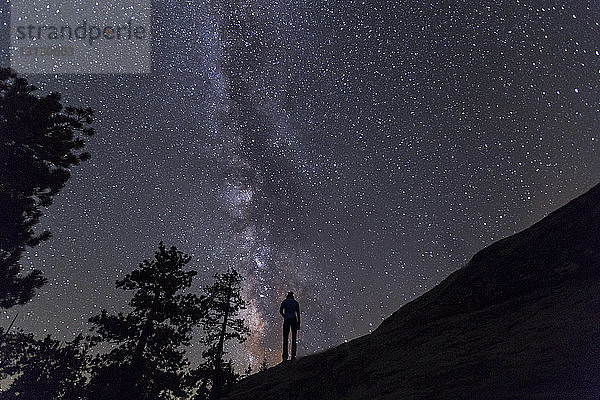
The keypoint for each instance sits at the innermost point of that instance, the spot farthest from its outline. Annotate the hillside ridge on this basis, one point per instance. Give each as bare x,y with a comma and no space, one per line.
519,320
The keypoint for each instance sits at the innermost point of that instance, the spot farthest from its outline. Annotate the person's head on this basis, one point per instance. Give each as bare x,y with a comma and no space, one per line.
290,295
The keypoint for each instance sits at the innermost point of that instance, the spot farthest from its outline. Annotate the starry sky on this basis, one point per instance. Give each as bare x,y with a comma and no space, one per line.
355,152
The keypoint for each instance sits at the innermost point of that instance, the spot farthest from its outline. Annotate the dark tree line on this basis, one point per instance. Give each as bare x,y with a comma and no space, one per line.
136,355
45,369
147,357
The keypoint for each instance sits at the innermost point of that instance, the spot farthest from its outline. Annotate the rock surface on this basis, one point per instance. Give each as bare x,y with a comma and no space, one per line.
520,321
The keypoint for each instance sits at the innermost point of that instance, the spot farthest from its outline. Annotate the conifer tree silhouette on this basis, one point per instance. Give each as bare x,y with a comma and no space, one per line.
220,323
44,369
39,143
148,360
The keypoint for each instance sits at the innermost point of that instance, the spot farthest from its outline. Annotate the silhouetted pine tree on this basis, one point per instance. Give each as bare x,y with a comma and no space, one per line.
13,350
44,369
147,360
220,323
39,140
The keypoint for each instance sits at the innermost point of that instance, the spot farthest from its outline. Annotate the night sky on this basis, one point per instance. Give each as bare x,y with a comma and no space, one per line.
354,152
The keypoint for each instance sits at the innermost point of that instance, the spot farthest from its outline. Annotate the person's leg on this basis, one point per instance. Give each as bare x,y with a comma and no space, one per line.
294,334
286,334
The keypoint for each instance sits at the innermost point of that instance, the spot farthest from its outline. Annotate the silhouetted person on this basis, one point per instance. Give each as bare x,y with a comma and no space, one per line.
290,310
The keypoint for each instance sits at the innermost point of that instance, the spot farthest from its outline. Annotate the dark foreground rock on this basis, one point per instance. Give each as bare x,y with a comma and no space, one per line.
520,321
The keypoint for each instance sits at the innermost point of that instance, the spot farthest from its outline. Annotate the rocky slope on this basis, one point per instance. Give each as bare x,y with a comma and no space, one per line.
520,321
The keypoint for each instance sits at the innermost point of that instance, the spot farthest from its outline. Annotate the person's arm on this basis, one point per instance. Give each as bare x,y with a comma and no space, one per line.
298,312
281,310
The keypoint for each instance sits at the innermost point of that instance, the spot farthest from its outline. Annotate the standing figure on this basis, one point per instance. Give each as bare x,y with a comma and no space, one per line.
290,311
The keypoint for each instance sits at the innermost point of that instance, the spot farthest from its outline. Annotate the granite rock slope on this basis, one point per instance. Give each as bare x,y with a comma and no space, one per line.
520,321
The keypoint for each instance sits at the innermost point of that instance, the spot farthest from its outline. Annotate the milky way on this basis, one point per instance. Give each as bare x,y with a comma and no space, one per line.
353,152
265,164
